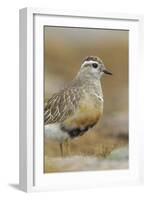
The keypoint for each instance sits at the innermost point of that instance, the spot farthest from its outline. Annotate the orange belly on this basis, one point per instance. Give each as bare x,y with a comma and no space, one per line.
87,114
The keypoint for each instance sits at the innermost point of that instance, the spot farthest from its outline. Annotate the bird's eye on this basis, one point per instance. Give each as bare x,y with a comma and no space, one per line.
95,65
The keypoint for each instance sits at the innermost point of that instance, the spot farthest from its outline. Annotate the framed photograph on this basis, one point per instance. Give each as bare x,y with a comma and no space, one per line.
80,119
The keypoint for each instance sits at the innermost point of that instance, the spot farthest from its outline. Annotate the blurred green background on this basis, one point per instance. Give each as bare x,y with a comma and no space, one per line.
64,50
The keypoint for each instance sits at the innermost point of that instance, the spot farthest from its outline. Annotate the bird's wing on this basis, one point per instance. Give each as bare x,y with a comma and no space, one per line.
61,105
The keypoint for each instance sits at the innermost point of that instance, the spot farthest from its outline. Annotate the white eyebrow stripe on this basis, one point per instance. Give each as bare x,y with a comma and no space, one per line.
89,62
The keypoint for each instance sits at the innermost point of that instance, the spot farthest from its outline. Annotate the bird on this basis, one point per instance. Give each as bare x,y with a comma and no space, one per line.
77,107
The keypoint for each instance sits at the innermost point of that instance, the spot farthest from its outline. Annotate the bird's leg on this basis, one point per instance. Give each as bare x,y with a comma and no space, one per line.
67,146
61,149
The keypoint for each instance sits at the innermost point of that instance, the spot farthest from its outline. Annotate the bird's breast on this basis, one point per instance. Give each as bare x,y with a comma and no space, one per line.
86,115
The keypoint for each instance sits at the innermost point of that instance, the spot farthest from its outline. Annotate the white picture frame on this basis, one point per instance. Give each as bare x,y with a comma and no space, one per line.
31,175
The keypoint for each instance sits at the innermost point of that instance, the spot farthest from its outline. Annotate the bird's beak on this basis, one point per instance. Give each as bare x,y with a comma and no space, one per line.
107,72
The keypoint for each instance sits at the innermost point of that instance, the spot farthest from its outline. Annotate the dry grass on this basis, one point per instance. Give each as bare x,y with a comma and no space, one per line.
90,148
89,144
82,163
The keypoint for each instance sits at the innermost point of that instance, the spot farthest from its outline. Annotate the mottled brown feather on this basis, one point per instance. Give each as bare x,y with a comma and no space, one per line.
61,105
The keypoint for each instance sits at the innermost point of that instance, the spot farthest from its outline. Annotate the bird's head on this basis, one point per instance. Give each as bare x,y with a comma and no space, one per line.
93,66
